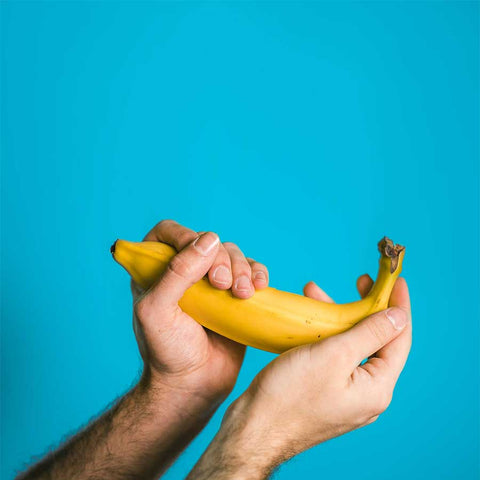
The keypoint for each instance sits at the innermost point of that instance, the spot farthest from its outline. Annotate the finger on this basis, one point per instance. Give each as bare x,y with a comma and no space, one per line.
312,290
171,232
373,333
259,274
364,284
186,268
242,286
390,360
220,274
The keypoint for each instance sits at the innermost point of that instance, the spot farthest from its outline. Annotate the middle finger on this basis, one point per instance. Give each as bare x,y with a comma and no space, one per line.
242,273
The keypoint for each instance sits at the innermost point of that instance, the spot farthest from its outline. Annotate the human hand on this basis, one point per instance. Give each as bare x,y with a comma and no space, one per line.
177,350
313,393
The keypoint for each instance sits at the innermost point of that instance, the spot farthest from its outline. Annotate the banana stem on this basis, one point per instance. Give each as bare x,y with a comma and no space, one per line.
388,272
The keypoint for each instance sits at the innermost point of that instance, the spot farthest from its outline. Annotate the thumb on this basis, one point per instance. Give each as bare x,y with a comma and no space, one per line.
186,268
371,334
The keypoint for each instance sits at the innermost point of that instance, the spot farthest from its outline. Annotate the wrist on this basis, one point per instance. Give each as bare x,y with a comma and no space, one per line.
257,442
182,395
244,447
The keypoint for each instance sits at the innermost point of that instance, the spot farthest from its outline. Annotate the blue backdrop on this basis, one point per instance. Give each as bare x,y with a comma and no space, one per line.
303,132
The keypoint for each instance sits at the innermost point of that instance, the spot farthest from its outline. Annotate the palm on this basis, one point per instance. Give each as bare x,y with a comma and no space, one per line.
185,348
296,363
225,359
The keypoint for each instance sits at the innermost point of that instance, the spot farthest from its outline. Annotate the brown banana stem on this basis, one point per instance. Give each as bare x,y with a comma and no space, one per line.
388,272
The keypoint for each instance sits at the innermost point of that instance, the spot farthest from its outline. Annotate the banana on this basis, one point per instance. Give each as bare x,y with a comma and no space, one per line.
271,320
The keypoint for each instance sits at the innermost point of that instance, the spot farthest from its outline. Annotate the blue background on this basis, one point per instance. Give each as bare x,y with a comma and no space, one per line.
303,132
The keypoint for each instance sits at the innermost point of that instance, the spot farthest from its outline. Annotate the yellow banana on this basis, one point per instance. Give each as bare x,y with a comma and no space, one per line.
271,319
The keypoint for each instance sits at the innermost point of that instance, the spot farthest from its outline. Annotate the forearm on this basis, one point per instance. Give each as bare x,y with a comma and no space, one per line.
242,448
138,438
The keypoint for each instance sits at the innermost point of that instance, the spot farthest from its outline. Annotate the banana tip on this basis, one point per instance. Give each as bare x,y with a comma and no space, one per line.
112,248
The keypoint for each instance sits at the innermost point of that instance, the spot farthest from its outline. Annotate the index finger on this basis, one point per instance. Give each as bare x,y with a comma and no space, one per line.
171,232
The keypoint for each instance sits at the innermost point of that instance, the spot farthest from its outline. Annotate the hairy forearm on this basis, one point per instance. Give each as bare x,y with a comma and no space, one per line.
138,438
242,448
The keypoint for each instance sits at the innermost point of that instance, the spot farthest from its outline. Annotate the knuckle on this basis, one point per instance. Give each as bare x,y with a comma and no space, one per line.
332,345
338,350
382,402
256,266
372,419
343,348
230,245
378,328
165,222
179,267
222,256
242,268
185,237
348,352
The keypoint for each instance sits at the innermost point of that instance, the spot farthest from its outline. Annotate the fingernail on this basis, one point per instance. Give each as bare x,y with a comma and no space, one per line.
397,317
222,275
260,277
204,244
242,283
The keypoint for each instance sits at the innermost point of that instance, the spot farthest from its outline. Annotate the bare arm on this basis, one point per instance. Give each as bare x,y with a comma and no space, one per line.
188,370
243,448
138,438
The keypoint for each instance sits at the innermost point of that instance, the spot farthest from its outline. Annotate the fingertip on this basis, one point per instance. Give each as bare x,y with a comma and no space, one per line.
400,296
364,284
268,277
220,277
206,244
401,286
243,287
364,278
260,280
243,294
259,274
308,287
312,290
259,285
219,286
398,317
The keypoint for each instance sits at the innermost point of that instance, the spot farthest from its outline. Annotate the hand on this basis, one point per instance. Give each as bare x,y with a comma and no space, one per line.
188,369
313,393
177,350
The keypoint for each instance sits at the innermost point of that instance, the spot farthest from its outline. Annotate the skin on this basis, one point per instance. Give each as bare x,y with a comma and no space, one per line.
188,370
304,397
312,393
208,368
